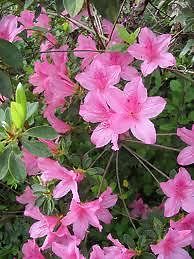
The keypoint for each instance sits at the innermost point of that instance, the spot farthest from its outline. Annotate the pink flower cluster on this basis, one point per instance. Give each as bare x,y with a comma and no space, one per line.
11,25
116,111
55,228
51,78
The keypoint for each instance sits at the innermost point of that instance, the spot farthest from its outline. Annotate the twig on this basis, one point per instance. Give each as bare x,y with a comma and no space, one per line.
72,50
142,163
154,145
105,172
146,161
93,25
99,156
120,190
166,134
115,23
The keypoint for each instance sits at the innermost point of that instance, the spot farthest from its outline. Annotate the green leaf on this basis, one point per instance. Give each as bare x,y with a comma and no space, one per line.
31,109
17,115
108,9
126,36
28,3
21,98
147,256
45,132
4,157
73,7
16,167
5,84
95,171
10,54
59,6
119,47
36,148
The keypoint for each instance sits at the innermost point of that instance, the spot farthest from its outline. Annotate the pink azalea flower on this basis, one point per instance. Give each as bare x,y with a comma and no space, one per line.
9,28
96,78
44,224
53,170
186,223
107,28
27,20
61,236
152,50
81,215
118,251
97,253
171,245
70,251
134,109
139,209
86,43
49,43
30,162
186,156
95,110
180,193
27,198
31,250
57,124
106,200
120,59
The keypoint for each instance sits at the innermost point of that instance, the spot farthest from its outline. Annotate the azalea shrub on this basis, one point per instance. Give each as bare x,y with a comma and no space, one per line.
96,129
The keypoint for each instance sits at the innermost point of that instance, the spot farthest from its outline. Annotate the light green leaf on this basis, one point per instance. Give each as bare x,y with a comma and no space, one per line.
10,54
17,115
28,3
21,98
130,38
36,148
16,167
5,84
45,132
73,7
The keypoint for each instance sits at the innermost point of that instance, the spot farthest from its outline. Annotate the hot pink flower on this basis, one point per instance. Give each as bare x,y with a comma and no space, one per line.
180,193
97,253
48,44
31,250
43,226
53,170
134,109
152,50
30,162
61,236
96,78
186,223
9,28
27,198
118,251
86,43
106,200
171,245
186,156
107,28
139,209
27,20
81,215
52,145
95,110
120,59
70,251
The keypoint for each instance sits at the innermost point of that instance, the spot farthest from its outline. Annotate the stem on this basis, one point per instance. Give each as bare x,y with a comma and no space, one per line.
120,190
93,25
142,163
105,172
114,25
146,161
155,145
71,50
166,134
99,156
